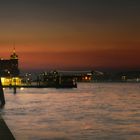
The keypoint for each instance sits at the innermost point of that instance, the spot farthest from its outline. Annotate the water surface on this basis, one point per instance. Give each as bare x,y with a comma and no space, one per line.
93,111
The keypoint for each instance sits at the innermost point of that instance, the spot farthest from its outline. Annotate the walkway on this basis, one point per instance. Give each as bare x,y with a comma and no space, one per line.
5,133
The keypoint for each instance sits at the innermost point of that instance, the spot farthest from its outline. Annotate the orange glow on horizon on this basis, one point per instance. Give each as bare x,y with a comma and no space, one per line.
52,55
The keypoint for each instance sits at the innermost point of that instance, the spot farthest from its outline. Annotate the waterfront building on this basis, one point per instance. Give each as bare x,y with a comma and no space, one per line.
80,76
57,79
9,70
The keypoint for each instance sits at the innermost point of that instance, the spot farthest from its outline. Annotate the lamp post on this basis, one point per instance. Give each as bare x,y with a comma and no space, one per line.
10,79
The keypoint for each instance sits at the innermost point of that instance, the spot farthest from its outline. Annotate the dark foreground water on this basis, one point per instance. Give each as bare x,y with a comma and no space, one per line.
90,112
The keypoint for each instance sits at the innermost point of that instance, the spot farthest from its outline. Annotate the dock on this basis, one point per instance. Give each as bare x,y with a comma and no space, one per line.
41,86
5,133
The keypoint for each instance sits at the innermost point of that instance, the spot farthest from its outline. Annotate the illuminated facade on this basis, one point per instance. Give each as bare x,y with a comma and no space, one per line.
11,81
9,71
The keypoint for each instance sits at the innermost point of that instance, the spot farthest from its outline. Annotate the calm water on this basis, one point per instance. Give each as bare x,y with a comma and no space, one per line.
90,112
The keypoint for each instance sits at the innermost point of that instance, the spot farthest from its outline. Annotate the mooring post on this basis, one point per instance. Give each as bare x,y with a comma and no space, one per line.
2,98
15,90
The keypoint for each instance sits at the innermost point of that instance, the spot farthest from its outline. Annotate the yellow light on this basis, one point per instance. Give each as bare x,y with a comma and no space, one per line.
86,78
7,81
2,80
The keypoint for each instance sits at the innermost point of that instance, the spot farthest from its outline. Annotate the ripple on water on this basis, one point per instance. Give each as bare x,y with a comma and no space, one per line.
101,111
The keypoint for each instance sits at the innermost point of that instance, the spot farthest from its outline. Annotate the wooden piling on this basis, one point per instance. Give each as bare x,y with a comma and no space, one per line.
2,98
15,90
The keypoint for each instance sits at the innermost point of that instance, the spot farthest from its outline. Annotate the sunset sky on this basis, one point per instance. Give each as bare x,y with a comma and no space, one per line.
71,34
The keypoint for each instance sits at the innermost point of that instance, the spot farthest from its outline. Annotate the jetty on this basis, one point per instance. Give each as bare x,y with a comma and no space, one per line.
42,86
5,133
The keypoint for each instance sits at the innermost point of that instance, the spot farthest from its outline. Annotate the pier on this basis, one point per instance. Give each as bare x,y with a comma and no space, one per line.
41,86
5,133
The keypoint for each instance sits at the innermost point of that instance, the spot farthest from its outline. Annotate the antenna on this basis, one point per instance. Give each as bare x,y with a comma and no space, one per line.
14,50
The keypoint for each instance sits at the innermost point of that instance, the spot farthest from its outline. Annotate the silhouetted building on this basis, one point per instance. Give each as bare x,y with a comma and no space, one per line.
9,67
57,79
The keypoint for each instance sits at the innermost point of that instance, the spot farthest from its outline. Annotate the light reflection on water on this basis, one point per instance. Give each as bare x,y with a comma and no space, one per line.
90,112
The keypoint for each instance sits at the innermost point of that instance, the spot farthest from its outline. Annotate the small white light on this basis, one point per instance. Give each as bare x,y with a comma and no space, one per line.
21,88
